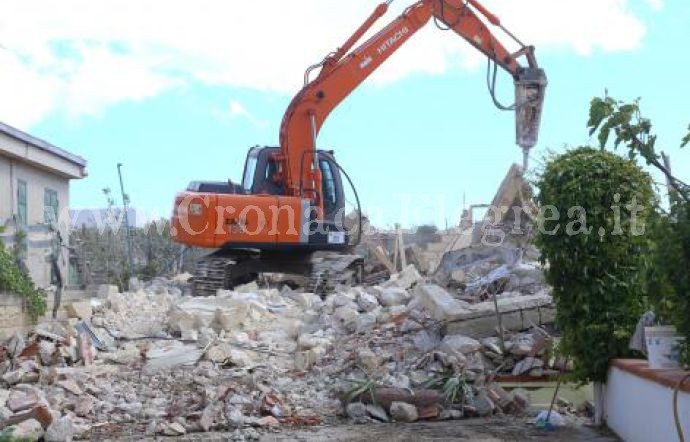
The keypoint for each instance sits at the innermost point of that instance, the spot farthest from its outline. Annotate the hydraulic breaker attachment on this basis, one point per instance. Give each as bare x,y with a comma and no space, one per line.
530,89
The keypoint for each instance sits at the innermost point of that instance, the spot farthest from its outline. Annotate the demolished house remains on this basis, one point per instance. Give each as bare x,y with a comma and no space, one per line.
430,340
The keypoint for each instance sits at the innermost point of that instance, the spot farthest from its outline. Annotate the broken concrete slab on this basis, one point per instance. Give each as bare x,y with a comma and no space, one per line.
61,430
527,365
80,309
405,279
486,326
392,296
438,303
507,303
378,412
105,291
459,345
404,412
170,354
23,400
367,302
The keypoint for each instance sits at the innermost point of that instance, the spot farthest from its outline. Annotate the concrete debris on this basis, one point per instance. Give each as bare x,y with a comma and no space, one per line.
170,354
61,430
255,359
405,279
459,345
440,305
404,412
378,412
80,310
356,410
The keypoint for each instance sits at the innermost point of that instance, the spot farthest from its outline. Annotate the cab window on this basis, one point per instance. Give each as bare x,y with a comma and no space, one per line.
330,194
249,170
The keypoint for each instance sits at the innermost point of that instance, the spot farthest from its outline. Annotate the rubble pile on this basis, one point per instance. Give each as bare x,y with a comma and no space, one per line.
158,361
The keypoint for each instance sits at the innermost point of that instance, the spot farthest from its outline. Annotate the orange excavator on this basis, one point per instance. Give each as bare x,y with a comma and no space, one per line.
287,215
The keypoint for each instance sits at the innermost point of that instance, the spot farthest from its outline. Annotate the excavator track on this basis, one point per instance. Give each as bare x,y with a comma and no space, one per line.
324,271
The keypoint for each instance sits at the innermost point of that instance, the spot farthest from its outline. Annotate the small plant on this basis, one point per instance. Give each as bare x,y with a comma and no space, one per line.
454,387
13,280
361,387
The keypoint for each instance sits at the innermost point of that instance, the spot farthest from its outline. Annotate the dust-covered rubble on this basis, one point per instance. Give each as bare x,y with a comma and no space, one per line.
157,361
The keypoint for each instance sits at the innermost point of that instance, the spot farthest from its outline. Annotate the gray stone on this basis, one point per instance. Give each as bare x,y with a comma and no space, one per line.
105,290
484,405
368,359
365,322
46,351
450,415
16,344
356,410
304,360
367,302
405,279
30,430
342,300
425,340
61,430
347,317
170,354
483,327
404,412
378,413
4,396
459,344
394,296
23,400
5,413
526,365
410,325
174,429
438,303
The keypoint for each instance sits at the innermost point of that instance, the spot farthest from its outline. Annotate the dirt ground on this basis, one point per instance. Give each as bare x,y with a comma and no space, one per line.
480,430
496,429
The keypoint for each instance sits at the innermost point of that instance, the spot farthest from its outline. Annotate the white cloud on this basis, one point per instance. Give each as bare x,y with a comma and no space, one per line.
80,56
656,4
236,110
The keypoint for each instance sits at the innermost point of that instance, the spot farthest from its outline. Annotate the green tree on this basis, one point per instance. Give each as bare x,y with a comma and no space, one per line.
594,251
667,276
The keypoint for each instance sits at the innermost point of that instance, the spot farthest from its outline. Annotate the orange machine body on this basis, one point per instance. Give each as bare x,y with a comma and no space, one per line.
213,220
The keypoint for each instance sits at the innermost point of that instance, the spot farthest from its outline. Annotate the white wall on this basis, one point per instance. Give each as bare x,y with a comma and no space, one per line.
37,181
639,410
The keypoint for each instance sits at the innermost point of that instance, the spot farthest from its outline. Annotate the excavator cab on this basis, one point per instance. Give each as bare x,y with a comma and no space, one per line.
261,178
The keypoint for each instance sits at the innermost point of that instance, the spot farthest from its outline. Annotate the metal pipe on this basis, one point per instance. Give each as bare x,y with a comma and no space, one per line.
312,117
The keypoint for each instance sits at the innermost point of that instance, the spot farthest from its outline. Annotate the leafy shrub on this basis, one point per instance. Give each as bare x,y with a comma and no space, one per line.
668,279
14,281
594,253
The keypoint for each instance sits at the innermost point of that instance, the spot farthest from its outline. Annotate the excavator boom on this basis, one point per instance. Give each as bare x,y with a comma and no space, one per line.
343,71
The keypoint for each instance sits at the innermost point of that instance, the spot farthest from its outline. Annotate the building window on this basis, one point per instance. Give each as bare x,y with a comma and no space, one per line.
22,207
50,206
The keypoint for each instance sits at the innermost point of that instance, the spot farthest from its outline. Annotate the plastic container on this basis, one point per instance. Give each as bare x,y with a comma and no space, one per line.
663,347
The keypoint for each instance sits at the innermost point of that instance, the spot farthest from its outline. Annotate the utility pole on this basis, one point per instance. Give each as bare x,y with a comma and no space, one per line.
130,261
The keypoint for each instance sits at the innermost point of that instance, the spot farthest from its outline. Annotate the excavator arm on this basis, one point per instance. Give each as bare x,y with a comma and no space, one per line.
345,69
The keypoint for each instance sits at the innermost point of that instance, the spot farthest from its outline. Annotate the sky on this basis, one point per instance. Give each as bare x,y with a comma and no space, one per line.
179,90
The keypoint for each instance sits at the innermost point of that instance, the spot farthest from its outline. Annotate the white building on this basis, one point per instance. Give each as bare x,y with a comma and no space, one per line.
34,197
